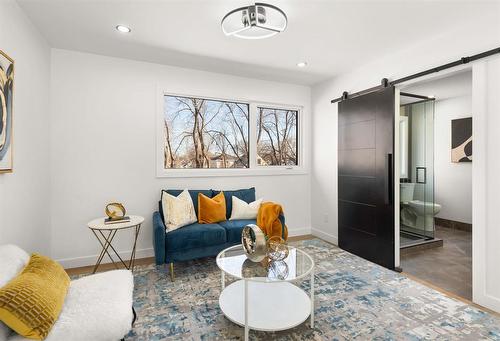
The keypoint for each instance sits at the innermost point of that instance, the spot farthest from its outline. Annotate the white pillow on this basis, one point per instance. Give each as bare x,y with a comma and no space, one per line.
242,210
12,260
178,211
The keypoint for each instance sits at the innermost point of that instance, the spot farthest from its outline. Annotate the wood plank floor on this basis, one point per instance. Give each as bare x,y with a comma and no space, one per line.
448,267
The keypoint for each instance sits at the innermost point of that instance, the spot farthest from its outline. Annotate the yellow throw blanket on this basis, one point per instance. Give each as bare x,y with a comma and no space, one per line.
268,220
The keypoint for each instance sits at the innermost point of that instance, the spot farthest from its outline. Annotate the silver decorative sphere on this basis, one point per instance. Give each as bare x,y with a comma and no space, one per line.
277,249
277,270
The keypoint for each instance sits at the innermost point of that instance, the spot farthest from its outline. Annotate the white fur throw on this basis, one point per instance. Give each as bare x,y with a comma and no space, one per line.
97,307
243,210
178,211
4,331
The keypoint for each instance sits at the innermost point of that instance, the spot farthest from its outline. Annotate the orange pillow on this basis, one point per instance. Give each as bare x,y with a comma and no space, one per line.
211,210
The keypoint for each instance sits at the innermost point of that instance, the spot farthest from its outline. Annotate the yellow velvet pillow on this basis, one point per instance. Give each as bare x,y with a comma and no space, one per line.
31,302
211,210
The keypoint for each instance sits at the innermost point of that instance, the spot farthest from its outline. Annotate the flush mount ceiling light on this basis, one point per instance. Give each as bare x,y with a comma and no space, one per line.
256,21
302,64
123,29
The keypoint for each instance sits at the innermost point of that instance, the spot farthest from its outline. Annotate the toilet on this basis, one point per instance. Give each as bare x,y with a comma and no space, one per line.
425,212
416,213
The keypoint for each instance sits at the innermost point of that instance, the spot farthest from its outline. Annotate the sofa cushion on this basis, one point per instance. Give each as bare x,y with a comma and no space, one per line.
195,236
192,192
247,195
234,227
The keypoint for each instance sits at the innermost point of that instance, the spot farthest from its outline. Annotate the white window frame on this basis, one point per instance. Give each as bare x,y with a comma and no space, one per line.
254,169
253,124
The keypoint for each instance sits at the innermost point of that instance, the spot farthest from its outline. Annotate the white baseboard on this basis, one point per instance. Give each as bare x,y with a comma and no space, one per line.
299,232
77,262
325,236
487,301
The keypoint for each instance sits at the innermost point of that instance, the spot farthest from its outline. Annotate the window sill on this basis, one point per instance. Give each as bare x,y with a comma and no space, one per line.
206,173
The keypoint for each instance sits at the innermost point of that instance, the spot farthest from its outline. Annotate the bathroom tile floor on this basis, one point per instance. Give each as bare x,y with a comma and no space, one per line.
448,267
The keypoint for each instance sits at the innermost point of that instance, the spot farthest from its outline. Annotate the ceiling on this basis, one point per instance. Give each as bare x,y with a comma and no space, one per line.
446,86
332,36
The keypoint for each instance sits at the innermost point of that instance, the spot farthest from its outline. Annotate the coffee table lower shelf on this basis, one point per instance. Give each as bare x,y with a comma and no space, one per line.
272,306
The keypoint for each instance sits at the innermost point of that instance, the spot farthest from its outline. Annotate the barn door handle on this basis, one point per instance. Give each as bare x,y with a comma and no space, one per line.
388,180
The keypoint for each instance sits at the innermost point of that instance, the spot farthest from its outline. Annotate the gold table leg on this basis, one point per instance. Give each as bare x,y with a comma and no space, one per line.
105,243
106,240
172,277
112,248
132,256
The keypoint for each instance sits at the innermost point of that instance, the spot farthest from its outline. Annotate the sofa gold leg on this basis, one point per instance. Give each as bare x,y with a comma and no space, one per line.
172,277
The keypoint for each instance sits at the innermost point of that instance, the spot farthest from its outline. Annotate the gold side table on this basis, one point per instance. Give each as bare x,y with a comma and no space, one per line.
105,233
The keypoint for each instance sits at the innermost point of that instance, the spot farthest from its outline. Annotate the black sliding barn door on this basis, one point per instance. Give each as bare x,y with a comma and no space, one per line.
365,176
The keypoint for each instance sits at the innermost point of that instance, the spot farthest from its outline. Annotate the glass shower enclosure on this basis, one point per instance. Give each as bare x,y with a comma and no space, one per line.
416,128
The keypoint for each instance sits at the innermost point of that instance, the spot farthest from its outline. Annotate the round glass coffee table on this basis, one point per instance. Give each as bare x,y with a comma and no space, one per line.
265,297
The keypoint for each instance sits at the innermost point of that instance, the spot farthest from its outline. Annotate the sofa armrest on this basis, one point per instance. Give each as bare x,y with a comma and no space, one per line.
159,238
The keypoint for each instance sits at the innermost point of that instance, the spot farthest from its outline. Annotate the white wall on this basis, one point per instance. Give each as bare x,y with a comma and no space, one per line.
24,194
103,146
453,181
439,50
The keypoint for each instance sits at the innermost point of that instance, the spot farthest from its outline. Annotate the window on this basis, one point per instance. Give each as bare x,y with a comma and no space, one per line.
200,136
276,137
204,133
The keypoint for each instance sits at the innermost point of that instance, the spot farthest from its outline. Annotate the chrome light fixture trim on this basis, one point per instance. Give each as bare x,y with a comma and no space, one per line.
123,29
253,22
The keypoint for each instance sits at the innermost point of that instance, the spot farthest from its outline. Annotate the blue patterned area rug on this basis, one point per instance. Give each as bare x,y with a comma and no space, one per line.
355,300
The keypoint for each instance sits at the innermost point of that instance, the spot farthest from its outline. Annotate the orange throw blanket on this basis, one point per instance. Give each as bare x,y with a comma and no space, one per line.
268,220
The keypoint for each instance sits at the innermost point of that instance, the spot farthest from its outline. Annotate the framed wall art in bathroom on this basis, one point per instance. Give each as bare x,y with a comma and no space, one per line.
6,104
461,140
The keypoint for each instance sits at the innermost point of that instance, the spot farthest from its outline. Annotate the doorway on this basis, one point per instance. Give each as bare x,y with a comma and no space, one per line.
435,154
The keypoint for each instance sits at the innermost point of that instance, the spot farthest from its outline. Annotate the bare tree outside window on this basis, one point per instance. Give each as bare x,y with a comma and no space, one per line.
203,133
277,137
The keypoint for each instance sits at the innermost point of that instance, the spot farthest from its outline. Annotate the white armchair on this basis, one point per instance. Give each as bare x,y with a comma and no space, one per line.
97,307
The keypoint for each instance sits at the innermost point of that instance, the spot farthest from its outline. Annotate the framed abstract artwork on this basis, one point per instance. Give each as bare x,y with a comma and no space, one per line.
6,100
461,140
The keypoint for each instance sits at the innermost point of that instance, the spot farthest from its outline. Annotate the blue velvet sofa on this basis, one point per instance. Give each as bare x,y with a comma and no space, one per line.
199,240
